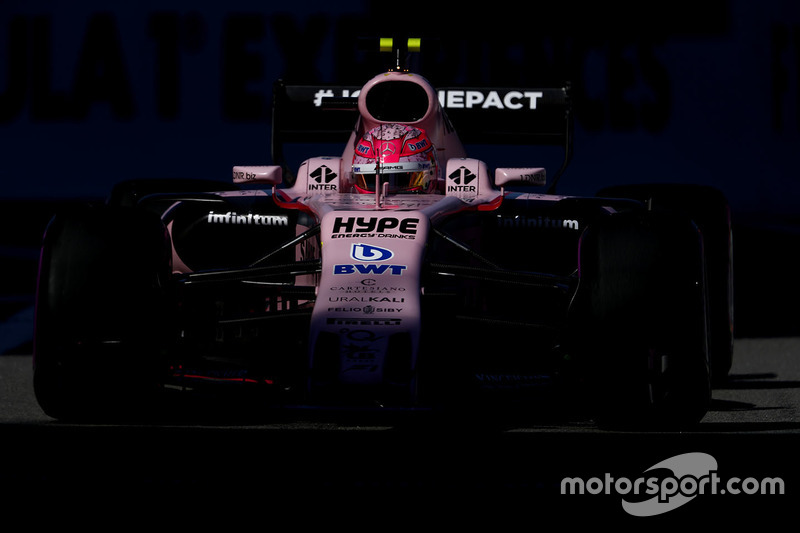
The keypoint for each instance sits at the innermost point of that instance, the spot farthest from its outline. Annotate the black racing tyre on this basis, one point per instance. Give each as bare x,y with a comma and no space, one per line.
638,320
710,211
101,311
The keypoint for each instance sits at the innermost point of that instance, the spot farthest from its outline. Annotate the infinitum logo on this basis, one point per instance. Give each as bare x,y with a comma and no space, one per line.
693,474
248,219
537,222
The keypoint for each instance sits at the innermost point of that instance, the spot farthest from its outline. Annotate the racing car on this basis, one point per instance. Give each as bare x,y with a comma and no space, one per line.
399,274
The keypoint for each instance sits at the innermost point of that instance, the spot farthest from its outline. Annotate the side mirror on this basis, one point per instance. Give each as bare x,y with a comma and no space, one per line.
269,174
522,176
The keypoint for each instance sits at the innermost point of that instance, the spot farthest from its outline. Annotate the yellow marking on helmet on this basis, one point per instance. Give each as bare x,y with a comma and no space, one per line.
414,44
386,44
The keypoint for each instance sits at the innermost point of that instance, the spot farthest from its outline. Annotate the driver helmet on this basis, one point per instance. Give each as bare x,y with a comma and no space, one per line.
402,155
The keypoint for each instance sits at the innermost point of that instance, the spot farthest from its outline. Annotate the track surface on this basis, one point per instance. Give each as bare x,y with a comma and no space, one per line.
500,472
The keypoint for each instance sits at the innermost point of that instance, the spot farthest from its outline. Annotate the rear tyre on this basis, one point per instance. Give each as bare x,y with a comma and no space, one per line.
639,319
100,312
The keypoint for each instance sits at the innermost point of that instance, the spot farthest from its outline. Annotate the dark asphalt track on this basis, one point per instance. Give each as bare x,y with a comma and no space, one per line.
497,472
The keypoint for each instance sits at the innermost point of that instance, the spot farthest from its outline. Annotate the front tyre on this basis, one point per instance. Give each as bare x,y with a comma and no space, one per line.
100,311
709,210
639,320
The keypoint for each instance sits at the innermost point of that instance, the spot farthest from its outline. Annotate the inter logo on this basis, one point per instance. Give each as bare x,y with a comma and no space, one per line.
323,176
461,181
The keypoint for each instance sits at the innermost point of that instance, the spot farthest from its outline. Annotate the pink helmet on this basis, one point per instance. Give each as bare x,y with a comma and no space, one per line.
402,155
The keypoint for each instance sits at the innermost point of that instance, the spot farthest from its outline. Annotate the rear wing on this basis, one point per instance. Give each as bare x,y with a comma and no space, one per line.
480,115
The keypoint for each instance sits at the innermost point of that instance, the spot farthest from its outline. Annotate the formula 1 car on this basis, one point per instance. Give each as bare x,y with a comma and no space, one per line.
399,275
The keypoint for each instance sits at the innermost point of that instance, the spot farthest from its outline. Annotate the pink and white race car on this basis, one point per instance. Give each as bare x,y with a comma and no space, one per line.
400,274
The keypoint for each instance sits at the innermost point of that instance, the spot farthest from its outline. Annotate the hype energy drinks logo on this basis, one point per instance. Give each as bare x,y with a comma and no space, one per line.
688,476
349,227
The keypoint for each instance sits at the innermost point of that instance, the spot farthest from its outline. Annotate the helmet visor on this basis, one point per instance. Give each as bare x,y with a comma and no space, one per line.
409,177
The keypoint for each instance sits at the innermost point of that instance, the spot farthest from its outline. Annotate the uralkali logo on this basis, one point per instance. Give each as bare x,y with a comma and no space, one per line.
692,474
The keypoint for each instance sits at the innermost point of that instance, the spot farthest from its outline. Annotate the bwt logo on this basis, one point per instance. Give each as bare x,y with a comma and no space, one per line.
368,253
394,270
418,145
